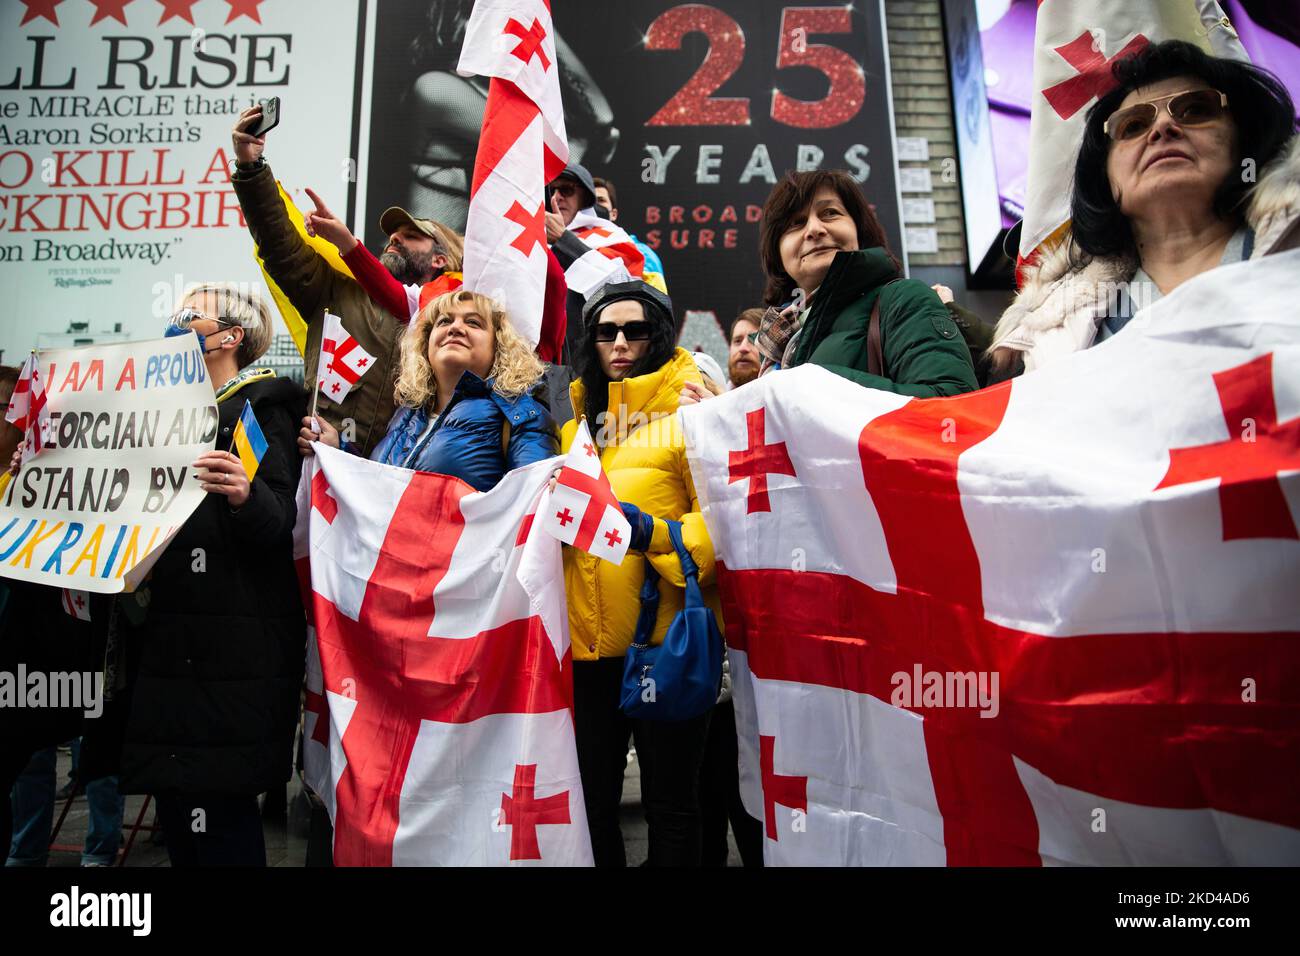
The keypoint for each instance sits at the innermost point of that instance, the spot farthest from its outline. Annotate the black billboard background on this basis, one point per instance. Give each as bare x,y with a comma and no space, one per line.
425,120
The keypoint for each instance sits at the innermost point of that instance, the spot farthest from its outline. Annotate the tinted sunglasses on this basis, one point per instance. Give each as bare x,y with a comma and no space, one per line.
187,317
565,189
636,331
1188,108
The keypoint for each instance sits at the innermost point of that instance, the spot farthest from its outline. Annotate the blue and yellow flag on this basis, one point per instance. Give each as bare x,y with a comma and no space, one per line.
250,443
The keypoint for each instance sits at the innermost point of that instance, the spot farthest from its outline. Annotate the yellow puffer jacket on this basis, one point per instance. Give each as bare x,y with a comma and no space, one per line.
645,459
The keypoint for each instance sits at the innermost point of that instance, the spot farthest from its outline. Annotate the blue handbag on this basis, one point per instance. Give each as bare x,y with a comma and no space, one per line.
680,678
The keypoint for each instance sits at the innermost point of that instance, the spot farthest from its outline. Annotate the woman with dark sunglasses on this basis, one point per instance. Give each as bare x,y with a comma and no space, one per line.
632,375
1190,162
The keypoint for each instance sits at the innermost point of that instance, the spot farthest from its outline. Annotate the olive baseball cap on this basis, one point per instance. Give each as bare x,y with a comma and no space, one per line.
394,217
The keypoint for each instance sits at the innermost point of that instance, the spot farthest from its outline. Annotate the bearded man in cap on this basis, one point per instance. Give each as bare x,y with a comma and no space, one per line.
418,252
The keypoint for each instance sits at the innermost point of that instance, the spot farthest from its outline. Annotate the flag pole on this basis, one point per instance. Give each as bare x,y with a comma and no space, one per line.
315,385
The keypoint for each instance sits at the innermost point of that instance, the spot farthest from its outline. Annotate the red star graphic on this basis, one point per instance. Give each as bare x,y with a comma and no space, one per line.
182,9
110,8
40,8
244,8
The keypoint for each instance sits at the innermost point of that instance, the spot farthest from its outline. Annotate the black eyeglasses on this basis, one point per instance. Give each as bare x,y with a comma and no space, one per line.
564,189
1188,108
636,331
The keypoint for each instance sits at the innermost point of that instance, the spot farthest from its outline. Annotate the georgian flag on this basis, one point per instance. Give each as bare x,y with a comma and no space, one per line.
1075,47
613,256
583,510
1054,621
342,360
76,603
28,411
522,147
438,726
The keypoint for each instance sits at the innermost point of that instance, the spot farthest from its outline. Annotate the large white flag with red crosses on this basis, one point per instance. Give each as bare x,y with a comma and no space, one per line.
614,257
583,510
522,147
1075,47
1052,621
439,727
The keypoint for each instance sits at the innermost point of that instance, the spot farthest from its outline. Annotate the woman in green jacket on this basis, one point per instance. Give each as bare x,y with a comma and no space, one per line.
828,263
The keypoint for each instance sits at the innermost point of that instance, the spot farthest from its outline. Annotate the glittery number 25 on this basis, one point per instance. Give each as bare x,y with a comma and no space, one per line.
693,106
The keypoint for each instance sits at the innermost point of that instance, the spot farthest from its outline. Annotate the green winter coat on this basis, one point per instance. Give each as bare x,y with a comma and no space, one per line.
925,354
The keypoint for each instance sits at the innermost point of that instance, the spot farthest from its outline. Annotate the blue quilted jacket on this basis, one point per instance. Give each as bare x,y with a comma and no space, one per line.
466,440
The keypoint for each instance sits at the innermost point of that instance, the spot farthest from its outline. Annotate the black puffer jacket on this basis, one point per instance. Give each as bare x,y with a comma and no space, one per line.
219,655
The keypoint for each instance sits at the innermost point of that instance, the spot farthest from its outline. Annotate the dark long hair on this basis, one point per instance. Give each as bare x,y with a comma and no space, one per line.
663,342
791,196
1261,110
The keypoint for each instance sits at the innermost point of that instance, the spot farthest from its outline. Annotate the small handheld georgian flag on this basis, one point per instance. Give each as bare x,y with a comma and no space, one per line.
250,443
342,360
583,510
77,603
27,409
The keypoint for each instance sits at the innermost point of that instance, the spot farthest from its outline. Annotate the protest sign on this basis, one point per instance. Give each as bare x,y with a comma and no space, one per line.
97,506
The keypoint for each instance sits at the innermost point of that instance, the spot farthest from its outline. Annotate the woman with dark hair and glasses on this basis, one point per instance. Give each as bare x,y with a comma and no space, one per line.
828,267
1189,163
632,375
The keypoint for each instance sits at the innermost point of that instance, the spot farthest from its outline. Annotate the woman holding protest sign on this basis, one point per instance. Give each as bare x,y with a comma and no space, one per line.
463,392
215,640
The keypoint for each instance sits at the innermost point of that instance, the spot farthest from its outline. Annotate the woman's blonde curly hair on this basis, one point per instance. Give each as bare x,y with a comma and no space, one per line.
515,369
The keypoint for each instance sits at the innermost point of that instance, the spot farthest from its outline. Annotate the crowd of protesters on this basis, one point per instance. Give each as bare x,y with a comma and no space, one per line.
205,670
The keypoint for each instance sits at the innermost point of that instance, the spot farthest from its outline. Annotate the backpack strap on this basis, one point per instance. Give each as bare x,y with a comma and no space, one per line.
875,347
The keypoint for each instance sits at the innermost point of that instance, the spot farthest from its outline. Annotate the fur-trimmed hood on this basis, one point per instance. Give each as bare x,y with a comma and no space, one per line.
1057,310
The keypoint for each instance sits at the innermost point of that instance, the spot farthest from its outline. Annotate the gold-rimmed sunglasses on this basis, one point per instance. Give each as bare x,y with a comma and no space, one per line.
1186,107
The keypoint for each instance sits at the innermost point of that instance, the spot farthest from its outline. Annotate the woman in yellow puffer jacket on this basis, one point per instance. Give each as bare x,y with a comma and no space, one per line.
632,377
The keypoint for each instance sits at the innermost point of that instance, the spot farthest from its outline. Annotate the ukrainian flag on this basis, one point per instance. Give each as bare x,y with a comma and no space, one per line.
250,443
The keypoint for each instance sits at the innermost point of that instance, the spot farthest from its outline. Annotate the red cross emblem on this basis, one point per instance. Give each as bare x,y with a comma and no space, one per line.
587,447
564,517
601,497
788,791
361,362
530,41
1247,463
524,813
314,703
335,388
400,676
613,537
1093,712
758,461
1093,78
321,499
80,602
532,227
